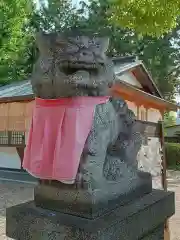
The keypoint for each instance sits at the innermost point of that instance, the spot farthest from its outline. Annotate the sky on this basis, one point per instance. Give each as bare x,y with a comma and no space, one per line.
74,2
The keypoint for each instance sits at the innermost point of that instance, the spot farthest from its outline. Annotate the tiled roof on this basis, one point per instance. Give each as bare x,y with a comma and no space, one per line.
119,69
21,88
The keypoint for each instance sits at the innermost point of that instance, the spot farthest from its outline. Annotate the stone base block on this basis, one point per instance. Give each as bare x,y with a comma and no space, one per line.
88,203
143,219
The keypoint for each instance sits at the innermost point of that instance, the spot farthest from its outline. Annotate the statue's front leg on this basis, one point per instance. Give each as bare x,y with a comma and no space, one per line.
92,160
91,169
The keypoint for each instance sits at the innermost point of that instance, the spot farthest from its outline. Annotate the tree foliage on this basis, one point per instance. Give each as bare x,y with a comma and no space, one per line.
160,55
169,120
161,58
147,17
15,40
54,16
19,21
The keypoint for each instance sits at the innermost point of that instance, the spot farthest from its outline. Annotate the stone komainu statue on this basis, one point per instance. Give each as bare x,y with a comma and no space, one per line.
72,65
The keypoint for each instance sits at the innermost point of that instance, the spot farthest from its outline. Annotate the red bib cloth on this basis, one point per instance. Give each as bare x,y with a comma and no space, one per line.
57,136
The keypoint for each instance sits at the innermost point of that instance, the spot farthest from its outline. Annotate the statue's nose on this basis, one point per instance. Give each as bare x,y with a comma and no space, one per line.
85,53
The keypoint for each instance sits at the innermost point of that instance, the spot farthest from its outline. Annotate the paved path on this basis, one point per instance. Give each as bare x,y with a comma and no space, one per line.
174,185
15,193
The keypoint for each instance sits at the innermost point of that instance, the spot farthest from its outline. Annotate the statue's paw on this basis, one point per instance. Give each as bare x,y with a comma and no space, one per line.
112,170
116,170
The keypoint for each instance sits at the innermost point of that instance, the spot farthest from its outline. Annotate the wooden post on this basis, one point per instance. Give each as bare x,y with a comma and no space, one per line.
164,176
20,151
138,111
164,167
147,109
9,138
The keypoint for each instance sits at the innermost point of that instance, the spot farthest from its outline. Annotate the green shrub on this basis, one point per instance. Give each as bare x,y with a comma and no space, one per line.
172,154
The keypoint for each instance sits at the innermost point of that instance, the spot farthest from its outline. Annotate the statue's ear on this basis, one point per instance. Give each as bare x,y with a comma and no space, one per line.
42,41
103,43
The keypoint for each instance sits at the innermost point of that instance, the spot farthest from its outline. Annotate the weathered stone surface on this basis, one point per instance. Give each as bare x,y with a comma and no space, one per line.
142,219
157,234
88,203
71,65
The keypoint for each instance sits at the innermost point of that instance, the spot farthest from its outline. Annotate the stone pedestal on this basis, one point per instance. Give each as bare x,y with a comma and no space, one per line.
142,219
87,202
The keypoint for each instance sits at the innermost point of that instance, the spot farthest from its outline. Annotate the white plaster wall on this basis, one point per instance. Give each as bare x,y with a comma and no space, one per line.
9,158
132,106
154,115
142,113
130,79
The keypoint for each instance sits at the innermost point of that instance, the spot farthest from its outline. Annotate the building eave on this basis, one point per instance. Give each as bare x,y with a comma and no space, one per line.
24,98
130,93
136,66
151,79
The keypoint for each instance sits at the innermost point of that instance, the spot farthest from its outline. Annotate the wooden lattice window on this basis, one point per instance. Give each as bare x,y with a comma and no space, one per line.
3,138
12,138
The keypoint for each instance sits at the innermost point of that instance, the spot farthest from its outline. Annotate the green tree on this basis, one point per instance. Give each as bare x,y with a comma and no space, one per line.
161,58
147,17
160,55
15,40
20,21
54,16
169,120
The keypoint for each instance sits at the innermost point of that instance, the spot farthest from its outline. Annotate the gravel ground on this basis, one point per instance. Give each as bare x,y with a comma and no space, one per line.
15,193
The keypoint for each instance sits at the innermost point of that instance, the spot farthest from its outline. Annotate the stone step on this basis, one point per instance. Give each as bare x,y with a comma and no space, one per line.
16,176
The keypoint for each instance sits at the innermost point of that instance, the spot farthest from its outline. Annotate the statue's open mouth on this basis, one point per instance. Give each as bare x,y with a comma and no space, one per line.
82,86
